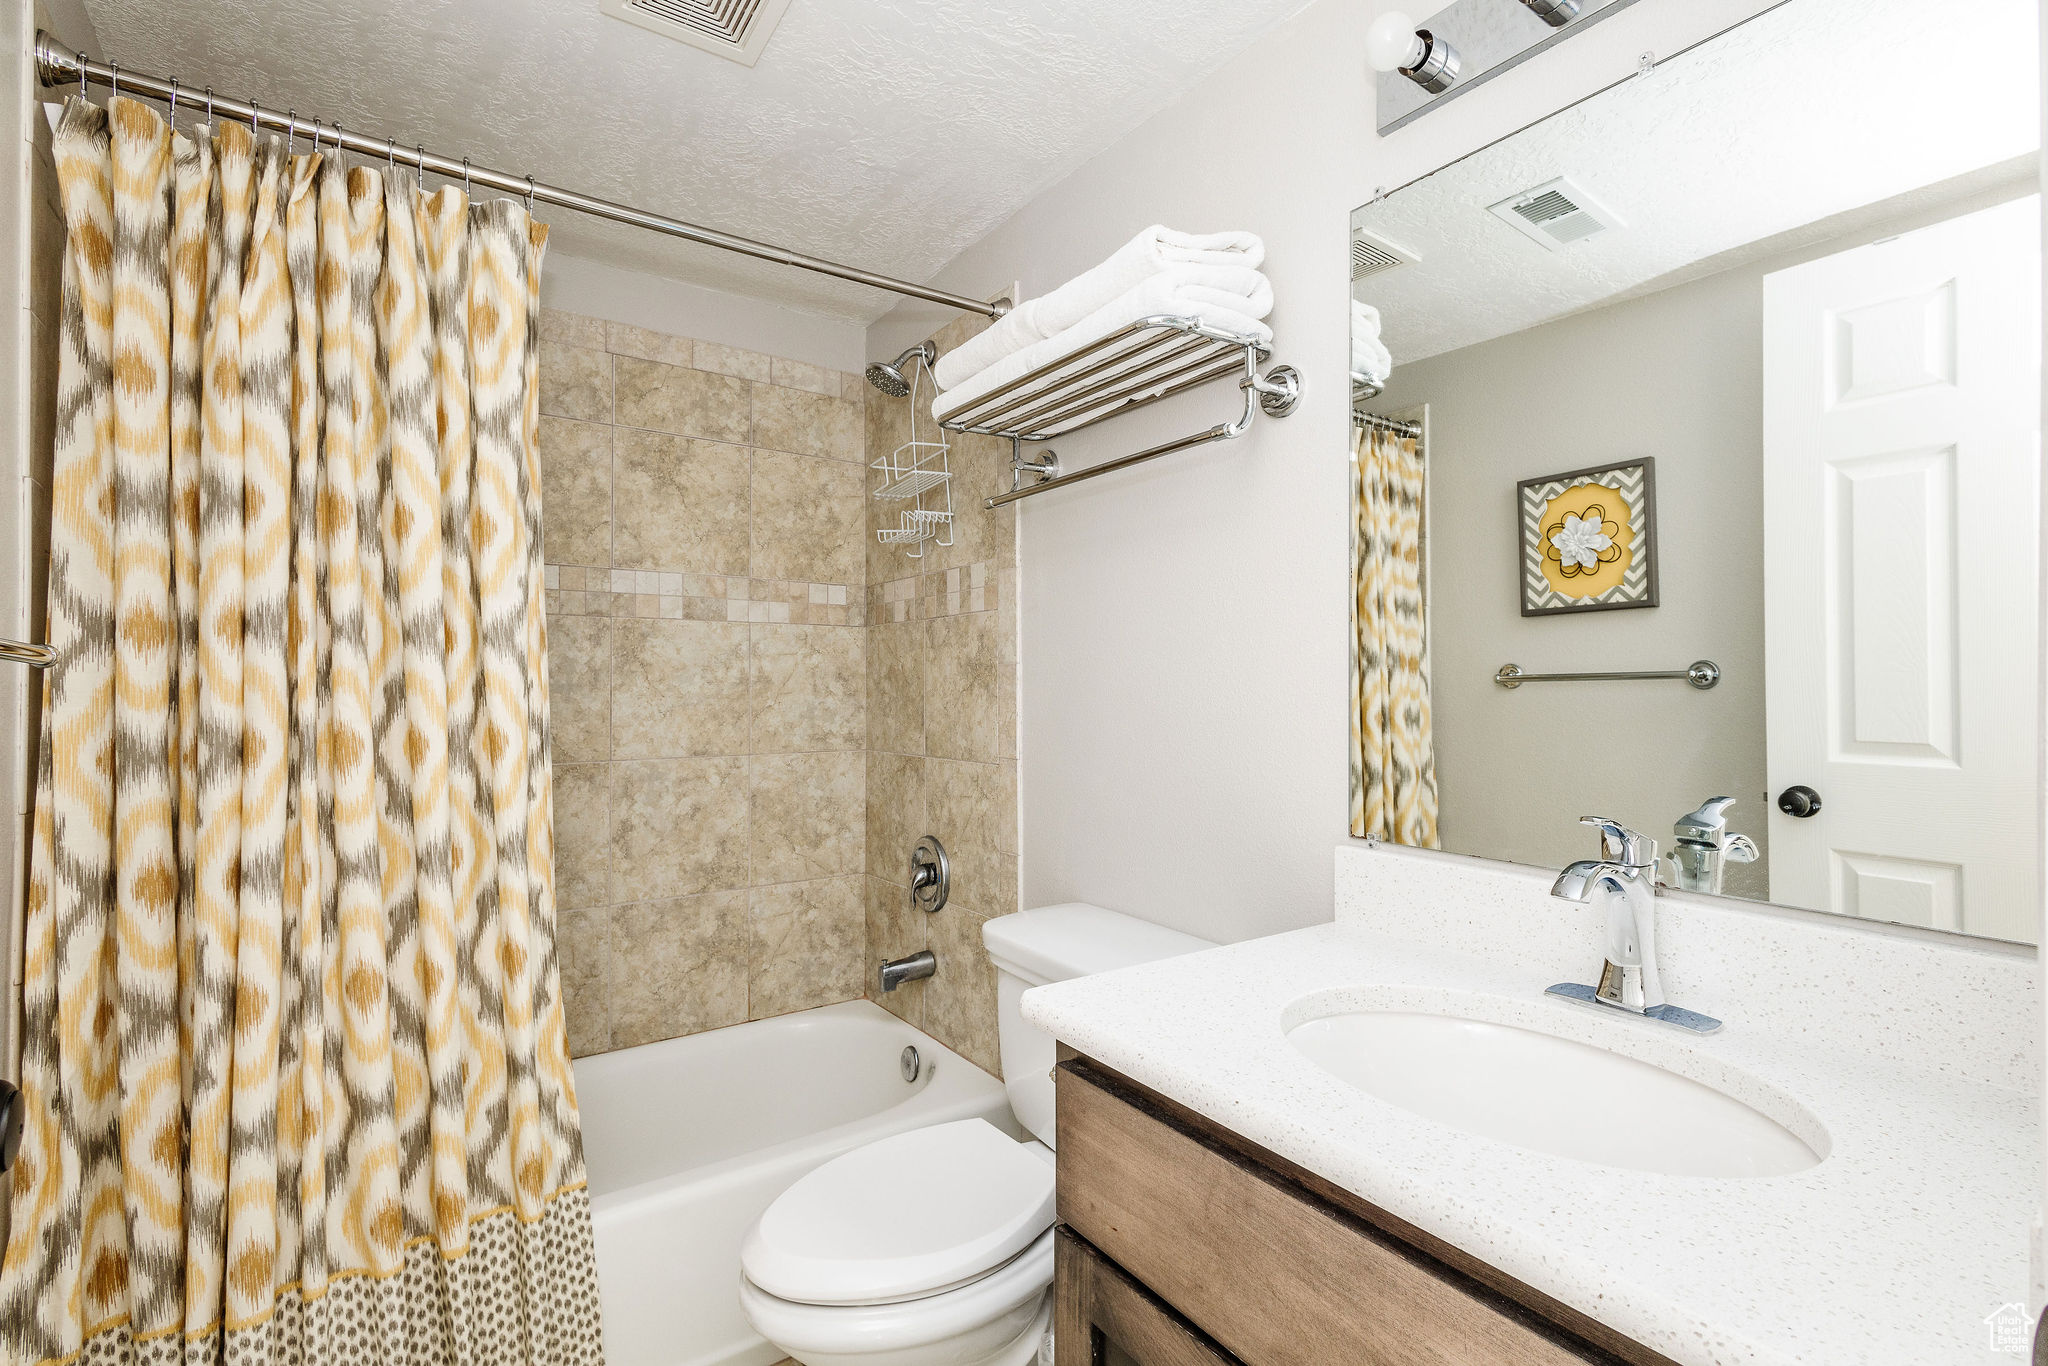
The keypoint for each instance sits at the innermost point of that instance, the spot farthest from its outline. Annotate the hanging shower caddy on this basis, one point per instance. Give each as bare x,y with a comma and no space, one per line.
917,473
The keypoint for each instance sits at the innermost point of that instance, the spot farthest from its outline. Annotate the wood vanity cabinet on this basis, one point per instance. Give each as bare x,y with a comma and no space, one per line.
1183,1244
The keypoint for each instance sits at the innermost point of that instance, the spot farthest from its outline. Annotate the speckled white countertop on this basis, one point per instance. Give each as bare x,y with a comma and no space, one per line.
1891,1252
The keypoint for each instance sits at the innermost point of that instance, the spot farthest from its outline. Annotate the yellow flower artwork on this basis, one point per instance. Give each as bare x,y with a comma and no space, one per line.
1587,542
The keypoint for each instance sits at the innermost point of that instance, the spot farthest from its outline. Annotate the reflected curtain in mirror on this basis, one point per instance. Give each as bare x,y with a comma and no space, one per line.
1393,757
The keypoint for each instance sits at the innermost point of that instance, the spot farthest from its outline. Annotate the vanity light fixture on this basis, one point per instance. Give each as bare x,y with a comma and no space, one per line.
1393,43
1556,13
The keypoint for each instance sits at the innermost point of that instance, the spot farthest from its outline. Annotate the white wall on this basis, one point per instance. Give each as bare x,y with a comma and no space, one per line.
1184,624
599,290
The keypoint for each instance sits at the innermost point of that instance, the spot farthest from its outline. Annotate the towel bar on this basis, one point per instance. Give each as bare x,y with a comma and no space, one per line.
1151,359
1702,674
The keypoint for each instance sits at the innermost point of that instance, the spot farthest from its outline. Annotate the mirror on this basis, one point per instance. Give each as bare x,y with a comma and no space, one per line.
1696,450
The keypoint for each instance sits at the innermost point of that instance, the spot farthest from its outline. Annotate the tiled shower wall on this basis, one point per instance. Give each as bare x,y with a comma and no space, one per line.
942,730
757,707
706,591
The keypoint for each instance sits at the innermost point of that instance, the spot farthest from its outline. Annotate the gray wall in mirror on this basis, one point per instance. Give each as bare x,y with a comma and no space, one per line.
1638,353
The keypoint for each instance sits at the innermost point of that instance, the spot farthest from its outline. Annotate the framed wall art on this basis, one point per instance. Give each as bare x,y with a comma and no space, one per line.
1589,539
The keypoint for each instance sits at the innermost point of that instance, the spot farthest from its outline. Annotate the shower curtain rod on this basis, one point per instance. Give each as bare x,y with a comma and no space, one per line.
59,65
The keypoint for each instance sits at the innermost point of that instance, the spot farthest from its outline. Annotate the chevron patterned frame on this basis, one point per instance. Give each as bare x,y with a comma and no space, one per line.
1637,482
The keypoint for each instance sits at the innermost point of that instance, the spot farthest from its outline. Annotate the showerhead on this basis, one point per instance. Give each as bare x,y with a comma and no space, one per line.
892,378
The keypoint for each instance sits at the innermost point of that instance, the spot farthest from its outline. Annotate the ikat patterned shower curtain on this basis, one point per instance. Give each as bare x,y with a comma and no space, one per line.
1393,752
297,1081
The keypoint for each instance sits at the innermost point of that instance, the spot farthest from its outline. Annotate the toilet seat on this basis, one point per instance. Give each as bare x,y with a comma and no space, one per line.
997,1317
907,1217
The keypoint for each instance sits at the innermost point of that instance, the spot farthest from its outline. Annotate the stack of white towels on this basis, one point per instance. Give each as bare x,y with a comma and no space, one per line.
1371,362
1214,277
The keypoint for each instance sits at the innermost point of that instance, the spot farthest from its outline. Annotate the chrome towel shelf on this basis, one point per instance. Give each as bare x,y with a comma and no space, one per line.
1151,359
22,652
1702,674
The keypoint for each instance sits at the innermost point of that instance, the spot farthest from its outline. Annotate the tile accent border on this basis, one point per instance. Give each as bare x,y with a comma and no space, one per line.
941,593
594,591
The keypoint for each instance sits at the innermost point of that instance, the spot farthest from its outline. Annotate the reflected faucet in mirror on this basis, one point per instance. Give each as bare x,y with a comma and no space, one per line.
1703,847
1622,880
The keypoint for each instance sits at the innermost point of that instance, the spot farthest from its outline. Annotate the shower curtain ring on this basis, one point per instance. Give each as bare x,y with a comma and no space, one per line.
420,166
209,109
529,194
254,110
391,155
291,130
114,82
174,102
465,177
82,59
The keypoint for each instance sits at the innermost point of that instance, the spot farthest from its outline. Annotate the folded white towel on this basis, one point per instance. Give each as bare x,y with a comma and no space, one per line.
1161,294
1370,359
1153,251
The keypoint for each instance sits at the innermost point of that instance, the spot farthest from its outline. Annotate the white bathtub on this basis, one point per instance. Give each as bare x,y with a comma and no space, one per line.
688,1141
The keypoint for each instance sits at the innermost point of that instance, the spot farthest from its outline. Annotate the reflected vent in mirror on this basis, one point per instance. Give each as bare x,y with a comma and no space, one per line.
1373,255
733,29
1555,214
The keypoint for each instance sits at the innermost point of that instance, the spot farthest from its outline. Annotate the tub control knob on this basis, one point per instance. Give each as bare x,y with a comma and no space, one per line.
931,876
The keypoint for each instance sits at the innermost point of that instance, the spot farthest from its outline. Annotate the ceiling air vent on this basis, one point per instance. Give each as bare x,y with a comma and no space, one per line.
1555,214
1370,255
734,29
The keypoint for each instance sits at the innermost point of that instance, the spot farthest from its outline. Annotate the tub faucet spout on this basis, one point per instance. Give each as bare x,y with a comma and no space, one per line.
916,967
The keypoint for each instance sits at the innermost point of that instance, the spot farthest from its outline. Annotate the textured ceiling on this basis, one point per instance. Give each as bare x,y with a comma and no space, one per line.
1815,109
885,133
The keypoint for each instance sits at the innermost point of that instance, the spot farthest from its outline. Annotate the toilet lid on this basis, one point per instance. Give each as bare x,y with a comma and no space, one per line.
903,1217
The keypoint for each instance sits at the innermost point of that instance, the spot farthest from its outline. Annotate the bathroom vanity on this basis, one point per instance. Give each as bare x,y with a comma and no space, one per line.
1165,1212
1245,1174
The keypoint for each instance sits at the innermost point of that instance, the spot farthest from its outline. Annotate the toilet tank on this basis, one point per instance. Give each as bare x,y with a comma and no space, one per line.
1053,944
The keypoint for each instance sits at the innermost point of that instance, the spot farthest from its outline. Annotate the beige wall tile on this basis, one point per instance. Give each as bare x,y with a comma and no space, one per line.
576,491
679,827
810,519
669,398
585,958
731,360
809,688
809,815
623,339
572,328
972,808
681,504
575,381
855,388
580,688
808,940
896,692
960,998
583,835
804,423
981,469
897,814
679,688
680,967
966,690
896,929
796,374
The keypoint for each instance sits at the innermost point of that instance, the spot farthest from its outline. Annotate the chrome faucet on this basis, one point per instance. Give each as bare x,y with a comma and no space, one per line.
1705,846
1623,879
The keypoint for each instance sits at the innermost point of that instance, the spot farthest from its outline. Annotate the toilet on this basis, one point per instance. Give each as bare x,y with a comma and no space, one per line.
933,1247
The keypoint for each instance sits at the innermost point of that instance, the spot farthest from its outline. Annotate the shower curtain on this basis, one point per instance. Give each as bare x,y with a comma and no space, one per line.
294,1059
1393,757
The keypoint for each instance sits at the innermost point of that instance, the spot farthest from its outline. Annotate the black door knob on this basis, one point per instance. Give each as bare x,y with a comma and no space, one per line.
1800,801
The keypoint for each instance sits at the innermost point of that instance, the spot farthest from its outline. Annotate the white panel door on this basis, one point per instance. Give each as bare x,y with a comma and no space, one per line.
1901,460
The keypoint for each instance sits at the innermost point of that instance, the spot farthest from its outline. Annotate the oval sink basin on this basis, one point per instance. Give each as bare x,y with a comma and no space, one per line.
1549,1094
